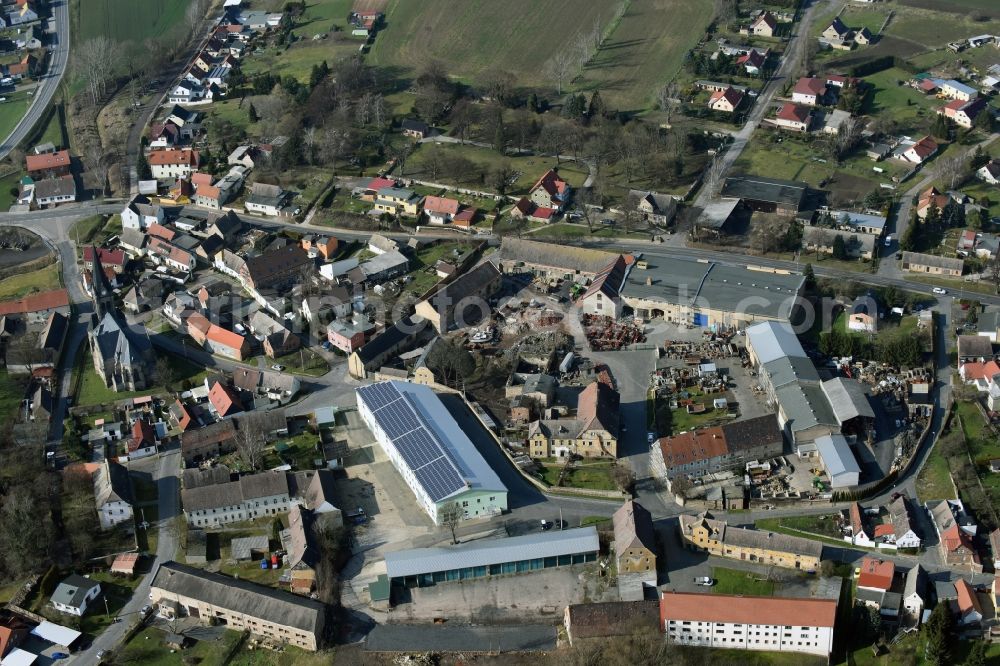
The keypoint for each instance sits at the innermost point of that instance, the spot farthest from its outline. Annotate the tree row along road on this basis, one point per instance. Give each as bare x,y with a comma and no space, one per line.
46,88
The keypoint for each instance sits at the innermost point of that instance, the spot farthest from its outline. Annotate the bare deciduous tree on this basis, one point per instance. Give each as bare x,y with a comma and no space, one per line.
94,60
309,139
559,68
714,177
666,99
451,515
250,442
195,12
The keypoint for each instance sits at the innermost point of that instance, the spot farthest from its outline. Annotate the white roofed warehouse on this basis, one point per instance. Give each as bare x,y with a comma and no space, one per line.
422,567
428,448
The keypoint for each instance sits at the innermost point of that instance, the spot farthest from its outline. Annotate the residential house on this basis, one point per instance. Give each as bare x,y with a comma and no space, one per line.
764,25
964,113
404,334
550,191
722,448
920,151
863,314
223,400
463,302
379,244
139,213
74,594
915,595
932,264
856,245
834,120
267,199
525,209
794,117
809,91
278,339
48,165
320,246
902,524
953,89
705,534
55,191
990,172
970,611
972,348
208,442
173,163
753,61
346,336
415,129
860,535
931,198
398,201
593,433
635,540
168,254
252,496
725,101
734,622
441,210
837,31
864,37
304,554
279,617
655,208
112,494
143,441
876,575
954,543
243,156
275,269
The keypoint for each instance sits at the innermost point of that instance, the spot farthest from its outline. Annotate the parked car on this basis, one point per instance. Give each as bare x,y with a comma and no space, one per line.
278,367
704,581
939,291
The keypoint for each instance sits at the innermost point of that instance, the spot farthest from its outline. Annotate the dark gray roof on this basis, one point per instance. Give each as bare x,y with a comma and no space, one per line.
117,342
73,590
480,638
758,188
232,493
469,284
112,484
916,583
54,187
551,255
752,433
613,618
241,596
390,337
196,477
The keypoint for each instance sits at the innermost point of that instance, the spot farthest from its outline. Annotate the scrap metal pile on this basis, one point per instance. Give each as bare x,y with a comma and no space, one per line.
606,334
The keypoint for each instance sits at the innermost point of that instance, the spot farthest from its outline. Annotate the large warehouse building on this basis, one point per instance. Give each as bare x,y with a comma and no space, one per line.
810,410
710,295
420,567
436,459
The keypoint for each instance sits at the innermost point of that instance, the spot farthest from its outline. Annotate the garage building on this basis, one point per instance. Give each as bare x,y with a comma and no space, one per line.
838,461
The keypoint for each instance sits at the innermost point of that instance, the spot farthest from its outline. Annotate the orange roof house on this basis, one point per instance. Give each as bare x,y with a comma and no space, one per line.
48,164
40,302
224,400
876,574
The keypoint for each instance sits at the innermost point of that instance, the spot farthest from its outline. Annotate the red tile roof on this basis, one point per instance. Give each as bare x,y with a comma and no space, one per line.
46,300
198,179
794,113
54,160
693,446
221,336
975,370
107,257
551,183
379,183
160,231
885,529
967,599
876,573
442,205
142,433
747,609
171,157
925,147
810,86
223,399
731,95
857,525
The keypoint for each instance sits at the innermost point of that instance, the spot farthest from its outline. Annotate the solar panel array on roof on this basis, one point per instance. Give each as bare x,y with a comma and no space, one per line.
417,443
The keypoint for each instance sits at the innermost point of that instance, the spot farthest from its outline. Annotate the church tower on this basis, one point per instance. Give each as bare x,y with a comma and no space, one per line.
103,296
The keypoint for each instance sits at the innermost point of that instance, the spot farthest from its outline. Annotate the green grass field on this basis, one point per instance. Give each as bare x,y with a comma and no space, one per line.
732,581
645,51
12,110
986,7
7,184
147,648
936,28
475,35
17,286
128,20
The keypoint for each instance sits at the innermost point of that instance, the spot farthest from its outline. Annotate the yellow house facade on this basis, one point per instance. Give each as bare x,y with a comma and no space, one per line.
716,537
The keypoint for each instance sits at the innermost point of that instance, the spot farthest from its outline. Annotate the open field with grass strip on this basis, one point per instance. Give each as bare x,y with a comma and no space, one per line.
147,648
520,36
128,20
936,28
43,279
985,7
734,581
12,110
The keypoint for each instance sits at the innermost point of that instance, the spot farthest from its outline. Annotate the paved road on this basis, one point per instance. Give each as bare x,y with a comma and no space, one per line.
789,63
48,84
166,473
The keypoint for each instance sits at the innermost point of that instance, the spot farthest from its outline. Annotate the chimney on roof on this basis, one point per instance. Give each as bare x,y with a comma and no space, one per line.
649,282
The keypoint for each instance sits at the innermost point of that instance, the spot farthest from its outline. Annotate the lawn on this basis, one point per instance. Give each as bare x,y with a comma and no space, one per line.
322,16
909,651
732,581
824,525
128,20
85,230
12,110
932,28
53,131
858,17
934,481
92,391
43,279
8,187
303,362
146,648
645,51
290,656
590,475
427,162
910,108
11,392
475,35
298,60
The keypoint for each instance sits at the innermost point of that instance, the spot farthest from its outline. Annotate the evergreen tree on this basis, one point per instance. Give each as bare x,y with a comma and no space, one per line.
533,102
940,128
910,241
810,277
939,635
142,166
977,655
252,114
839,247
984,121
596,108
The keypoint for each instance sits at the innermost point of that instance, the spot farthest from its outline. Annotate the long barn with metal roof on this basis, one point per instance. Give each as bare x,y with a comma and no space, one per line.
437,460
493,557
